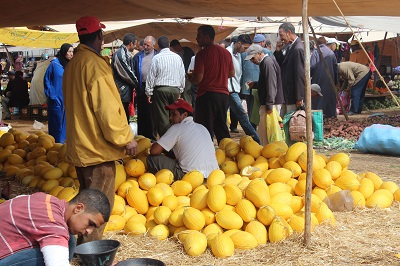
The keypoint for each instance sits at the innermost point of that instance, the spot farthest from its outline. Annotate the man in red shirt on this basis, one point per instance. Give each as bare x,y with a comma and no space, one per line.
39,229
213,66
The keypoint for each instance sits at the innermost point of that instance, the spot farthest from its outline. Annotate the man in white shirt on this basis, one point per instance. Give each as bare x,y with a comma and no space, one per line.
165,83
189,141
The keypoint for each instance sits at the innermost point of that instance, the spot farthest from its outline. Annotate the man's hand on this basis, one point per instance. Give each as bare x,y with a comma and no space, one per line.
279,45
149,99
131,148
269,111
299,103
250,84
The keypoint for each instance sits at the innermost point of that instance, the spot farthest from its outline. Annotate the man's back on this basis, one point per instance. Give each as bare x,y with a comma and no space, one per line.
192,146
215,63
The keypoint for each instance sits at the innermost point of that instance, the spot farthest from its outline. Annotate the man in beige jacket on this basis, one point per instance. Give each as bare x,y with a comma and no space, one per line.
355,78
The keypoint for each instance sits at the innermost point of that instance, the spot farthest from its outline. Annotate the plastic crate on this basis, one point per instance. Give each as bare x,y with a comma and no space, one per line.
34,112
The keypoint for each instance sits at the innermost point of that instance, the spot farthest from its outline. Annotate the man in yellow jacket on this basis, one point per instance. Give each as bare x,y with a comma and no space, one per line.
97,131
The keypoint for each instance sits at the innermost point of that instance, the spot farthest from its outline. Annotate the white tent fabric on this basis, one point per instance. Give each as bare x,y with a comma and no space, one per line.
389,24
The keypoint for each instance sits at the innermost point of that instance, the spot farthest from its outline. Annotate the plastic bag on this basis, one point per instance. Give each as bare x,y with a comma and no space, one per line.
377,138
318,124
340,201
38,125
344,97
274,127
134,128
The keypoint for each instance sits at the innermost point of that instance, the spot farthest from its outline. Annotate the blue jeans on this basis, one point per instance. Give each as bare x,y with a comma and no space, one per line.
237,109
33,256
357,94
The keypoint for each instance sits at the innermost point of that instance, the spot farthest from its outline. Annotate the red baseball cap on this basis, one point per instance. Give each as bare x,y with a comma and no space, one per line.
88,24
180,103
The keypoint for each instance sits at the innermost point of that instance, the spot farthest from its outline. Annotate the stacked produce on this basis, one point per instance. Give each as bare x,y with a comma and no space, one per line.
257,195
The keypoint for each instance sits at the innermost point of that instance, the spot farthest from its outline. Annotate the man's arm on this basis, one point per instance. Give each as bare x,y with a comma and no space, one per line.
156,149
55,255
196,78
124,68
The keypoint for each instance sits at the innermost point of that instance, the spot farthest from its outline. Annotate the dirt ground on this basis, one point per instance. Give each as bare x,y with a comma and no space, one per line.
360,237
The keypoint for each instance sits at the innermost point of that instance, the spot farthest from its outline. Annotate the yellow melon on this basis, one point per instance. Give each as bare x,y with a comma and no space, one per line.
6,139
216,177
246,210
348,181
216,198
164,176
322,178
155,196
389,185
147,181
220,155
193,219
279,230
358,197
115,223
198,199
134,228
374,178
258,193
195,243
170,201
282,197
120,175
49,185
194,177
162,214
341,158
161,232
324,214
222,246
229,167
209,215
296,223
233,194
279,175
335,168
253,148
258,230
381,198
137,199
128,212
245,160
229,219
181,188
366,188
135,168
244,240
294,151
293,167
123,188
232,148
272,150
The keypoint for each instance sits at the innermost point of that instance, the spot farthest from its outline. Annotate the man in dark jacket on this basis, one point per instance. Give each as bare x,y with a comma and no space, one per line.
16,94
269,86
122,66
291,62
141,67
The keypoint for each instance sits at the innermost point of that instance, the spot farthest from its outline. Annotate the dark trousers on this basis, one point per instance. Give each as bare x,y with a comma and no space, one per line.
163,96
211,111
100,177
158,162
145,117
357,94
126,105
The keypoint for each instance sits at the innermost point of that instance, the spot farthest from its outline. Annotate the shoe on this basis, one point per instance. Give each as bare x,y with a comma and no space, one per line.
7,118
351,113
234,130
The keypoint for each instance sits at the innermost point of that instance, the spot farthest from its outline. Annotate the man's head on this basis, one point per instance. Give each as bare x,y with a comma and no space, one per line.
140,46
242,43
19,74
148,44
163,42
130,41
332,43
11,75
315,90
287,32
259,39
86,211
255,54
90,31
205,35
179,110
176,46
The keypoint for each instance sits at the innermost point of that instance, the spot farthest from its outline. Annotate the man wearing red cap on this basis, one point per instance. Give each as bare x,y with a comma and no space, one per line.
189,141
97,131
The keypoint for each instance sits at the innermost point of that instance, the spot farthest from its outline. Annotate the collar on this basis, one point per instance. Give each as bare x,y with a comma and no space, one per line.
164,50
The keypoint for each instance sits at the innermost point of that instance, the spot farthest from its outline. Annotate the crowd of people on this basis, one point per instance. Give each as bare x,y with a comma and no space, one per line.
90,101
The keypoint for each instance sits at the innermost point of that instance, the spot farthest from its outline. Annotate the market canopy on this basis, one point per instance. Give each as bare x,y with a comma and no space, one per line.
33,38
45,12
173,30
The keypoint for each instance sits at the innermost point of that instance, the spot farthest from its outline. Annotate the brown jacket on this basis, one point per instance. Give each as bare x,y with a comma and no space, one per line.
352,73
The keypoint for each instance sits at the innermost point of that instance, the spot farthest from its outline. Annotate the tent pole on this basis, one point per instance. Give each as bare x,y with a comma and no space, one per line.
380,57
307,56
369,59
329,74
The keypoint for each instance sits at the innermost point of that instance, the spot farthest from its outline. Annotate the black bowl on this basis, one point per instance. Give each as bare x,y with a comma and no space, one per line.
97,253
141,262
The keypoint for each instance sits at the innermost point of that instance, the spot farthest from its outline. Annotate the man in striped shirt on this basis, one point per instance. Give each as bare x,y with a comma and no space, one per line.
39,229
165,82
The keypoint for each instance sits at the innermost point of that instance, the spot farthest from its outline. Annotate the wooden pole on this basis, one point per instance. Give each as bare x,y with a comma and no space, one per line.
307,56
369,59
333,86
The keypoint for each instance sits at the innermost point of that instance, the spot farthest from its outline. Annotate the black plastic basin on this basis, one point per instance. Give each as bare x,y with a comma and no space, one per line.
141,262
97,253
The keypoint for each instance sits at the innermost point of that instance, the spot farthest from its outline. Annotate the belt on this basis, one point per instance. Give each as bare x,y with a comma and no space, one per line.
233,92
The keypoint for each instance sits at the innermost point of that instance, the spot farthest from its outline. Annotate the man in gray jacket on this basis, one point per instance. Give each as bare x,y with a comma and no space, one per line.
122,66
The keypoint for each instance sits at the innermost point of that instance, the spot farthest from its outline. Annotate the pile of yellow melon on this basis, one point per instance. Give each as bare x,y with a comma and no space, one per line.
257,196
38,162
